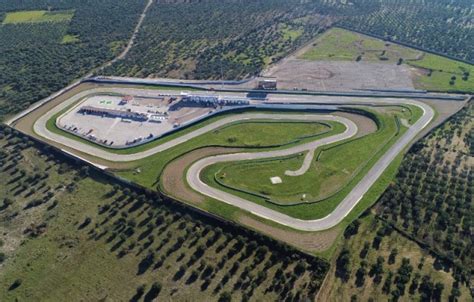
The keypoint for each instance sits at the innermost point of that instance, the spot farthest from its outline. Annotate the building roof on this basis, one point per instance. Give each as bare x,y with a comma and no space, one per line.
113,111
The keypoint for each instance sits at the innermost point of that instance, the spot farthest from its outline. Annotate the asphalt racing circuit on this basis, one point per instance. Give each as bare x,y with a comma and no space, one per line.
341,211
274,101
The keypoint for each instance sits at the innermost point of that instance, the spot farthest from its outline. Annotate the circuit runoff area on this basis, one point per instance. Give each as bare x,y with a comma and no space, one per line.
145,129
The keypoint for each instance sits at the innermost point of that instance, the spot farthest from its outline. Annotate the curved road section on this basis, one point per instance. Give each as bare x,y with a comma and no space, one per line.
341,211
308,159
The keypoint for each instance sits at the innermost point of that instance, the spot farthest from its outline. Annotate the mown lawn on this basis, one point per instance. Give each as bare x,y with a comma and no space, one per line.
266,133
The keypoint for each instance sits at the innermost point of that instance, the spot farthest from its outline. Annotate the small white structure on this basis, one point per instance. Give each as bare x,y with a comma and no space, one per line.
156,118
275,180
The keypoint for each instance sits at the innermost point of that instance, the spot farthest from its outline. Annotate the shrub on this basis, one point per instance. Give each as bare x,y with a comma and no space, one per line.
2,257
15,284
225,297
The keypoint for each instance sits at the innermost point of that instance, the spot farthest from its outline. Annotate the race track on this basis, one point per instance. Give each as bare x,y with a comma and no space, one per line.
341,211
290,101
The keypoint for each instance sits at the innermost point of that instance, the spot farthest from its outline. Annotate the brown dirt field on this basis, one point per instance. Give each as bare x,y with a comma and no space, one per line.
172,178
312,242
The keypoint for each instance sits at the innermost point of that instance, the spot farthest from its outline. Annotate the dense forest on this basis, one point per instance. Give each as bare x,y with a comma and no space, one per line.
37,59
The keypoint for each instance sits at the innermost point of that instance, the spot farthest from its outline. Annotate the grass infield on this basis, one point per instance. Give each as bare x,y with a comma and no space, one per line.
355,157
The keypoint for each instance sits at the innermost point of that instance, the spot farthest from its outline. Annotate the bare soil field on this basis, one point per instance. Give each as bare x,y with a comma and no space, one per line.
339,76
312,242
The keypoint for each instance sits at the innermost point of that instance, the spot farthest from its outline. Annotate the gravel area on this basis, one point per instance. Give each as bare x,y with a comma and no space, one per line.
340,75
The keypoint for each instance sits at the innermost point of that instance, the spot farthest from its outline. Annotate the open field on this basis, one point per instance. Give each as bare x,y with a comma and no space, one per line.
336,60
339,44
443,74
329,75
358,277
38,16
89,240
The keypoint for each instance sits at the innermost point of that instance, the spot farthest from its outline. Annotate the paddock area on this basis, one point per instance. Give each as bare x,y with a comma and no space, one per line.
122,121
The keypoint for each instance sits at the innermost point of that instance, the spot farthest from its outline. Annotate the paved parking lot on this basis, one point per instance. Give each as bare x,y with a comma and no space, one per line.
122,132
